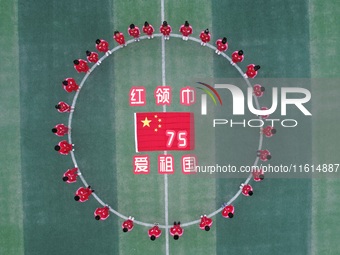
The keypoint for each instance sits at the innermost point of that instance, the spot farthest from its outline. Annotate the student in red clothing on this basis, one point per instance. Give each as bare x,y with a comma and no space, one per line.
268,131
264,116
103,46
148,30
186,30
63,107
206,223
264,155
228,211
81,66
127,225
93,57
258,90
60,130
83,194
258,175
154,232
176,231
165,29
221,45
64,147
70,85
247,189
71,175
119,38
205,37
134,32
237,57
251,71
102,213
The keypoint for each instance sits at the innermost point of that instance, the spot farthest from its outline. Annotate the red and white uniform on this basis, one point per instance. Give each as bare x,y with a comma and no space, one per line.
155,231
186,31
165,30
264,116
148,30
176,230
65,147
84,194
61,129
102,212
103,46
205,37
119,38
257,90
246,188
93,58
235,57
264,154
221,46
256,175
82,66
64,107
251,73
134,32
128,224
71,85
267,131
71,174
205,221
228,209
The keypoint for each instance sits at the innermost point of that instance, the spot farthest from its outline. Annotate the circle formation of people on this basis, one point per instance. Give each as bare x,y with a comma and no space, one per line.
82,66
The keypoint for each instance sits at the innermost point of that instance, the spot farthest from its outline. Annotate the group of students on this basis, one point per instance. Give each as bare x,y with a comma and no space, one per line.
70,85
186,30
102,213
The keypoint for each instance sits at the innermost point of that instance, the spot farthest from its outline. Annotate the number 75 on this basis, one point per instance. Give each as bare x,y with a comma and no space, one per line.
181,138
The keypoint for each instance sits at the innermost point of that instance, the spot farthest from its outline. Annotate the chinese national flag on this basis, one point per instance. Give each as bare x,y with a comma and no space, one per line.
164,131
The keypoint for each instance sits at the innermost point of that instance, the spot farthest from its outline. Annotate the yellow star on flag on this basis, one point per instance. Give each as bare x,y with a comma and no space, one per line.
146,122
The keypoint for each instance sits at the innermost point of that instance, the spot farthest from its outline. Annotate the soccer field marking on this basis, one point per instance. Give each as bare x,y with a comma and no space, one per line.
166,226
166,183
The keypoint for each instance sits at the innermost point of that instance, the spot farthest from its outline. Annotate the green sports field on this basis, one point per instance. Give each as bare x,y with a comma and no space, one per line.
39,41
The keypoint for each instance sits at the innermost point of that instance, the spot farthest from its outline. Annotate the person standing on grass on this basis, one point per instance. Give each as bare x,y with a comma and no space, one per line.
127,225
148,30
103,46
186,30
205,37
237,57
70,85
268,131
81,66
264,155
258,175
60,130
251,71
206,223
64,147
134,32
154,232
92,57
176,231
102,213
119,38
258,90
165,29
247,190
221,45
228,211
63,107
83,194
71,175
